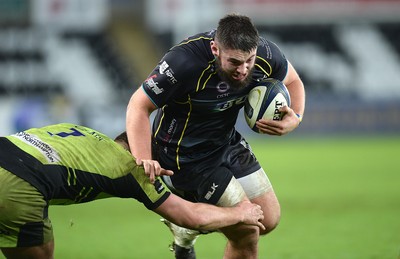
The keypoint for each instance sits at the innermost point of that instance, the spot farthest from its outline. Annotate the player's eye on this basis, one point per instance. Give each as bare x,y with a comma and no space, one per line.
250,60
235,62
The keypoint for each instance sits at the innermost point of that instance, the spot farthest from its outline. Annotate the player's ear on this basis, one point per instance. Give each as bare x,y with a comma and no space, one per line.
214,48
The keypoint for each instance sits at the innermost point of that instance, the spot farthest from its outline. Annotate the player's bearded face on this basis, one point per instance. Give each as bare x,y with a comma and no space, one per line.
235,67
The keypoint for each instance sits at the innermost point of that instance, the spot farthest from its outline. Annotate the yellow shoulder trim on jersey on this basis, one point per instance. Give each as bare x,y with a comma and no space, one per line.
205,82
262,69
210,64
201,76
188,41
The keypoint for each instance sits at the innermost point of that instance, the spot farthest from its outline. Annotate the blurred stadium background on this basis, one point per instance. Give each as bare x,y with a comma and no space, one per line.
80,60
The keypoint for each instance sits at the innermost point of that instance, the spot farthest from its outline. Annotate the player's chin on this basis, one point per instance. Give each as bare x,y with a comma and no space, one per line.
239,83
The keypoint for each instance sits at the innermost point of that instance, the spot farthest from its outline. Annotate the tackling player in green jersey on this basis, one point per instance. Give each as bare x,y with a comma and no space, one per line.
67,164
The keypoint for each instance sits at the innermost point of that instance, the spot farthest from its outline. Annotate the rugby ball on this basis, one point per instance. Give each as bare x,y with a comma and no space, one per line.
264,101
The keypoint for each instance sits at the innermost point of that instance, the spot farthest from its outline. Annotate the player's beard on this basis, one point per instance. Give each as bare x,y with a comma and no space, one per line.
227,77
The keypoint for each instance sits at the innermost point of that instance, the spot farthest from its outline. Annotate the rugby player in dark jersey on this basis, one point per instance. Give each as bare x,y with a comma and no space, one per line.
67,164
198,88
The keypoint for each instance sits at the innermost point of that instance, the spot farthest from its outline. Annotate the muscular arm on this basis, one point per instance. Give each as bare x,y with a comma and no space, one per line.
296,90
201,216
138,126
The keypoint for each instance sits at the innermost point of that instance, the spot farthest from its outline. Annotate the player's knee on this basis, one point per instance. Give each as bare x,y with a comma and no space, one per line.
271,222
243,236
269,228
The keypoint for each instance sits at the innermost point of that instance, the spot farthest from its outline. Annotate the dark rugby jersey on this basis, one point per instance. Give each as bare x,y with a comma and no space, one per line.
71,164
198,111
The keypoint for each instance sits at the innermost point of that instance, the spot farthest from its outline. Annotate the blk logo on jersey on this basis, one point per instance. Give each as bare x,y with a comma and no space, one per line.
211,192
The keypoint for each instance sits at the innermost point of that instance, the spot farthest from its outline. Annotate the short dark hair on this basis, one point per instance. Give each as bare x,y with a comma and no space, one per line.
236,31
123,138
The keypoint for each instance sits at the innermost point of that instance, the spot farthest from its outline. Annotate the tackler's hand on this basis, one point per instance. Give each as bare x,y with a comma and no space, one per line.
153,169
252,213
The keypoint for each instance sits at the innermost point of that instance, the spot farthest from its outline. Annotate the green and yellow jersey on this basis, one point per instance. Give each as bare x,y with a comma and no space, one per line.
71,164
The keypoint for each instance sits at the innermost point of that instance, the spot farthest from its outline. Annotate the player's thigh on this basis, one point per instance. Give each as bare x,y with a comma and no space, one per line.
44,251
232,195
23,214
255,187
258,189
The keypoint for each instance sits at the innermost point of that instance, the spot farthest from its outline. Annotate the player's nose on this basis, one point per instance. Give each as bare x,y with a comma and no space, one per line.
242,69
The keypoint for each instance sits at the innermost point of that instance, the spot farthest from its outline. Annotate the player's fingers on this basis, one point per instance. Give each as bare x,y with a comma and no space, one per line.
147,167
152,173
152,178
166,172
261,225
284,109
157,168
270,131
260,215
149,170
275,128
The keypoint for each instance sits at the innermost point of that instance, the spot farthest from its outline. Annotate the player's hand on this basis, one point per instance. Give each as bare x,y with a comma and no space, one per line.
252,213
289,122
153,169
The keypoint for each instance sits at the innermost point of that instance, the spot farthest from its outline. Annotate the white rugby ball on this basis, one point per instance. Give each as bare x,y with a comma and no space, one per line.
264,101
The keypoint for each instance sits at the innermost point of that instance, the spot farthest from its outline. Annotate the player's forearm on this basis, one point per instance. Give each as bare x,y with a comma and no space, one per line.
139,137
202,216
217,218
199,216
297,96
245,212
